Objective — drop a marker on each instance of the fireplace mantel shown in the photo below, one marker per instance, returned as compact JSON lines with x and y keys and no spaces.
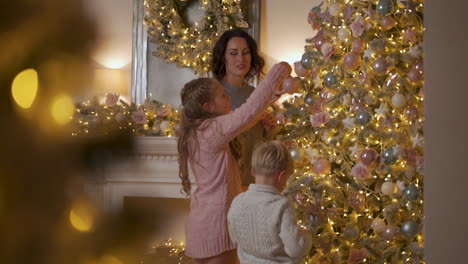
{"x":151,"y":172}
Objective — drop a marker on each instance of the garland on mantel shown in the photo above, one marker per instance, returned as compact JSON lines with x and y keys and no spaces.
{"x":98,"y":116}
{"x":190,"y":46}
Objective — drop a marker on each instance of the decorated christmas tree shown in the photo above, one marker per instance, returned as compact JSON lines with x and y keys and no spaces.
{"x":355,"y":130}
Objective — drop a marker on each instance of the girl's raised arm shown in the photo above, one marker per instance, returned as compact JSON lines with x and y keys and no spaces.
{"x":227,"y":127}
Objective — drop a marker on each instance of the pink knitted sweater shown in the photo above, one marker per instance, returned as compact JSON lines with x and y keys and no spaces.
{"x":216,"y":172}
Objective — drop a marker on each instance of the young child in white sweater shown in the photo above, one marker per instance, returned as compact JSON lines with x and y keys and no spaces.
{"x":261,"y":221}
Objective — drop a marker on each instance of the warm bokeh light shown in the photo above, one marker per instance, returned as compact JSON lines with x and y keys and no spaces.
{"x":109,"y":259}
{"x":111,"y":56}
{"x":114,"y":62}
{"x":62,"y":109}
{"x":82,"y":217}
{"x":24,"y":88}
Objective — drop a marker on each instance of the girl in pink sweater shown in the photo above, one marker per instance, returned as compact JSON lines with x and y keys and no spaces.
{"x":207,"y":127}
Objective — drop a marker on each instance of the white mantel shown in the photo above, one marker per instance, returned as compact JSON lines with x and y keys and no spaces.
{"x":151,"y":172}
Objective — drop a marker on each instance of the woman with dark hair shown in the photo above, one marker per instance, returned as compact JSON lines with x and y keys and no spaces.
{"x":235,"y":64}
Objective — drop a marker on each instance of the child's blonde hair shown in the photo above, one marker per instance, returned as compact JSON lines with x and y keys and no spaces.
{"x":271,"y":157}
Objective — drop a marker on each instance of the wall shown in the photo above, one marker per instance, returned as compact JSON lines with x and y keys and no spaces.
{"x":446,"y":177}
{"x":113,"y":54}
{"x":284,"y":30}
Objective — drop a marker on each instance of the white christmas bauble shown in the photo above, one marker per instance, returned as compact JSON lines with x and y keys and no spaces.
{"x":344,"y":34}
{"x":165,"y":125}
{"x":398,"y":100}
{"x":378,"y":225}
{"x":388,"y":188}
{"x":334,"y":9}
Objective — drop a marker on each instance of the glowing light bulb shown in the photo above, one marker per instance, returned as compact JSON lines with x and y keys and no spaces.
{"x":24,"y":88}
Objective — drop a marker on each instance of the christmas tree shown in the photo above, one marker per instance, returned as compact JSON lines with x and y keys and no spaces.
{"x":355,"y":132}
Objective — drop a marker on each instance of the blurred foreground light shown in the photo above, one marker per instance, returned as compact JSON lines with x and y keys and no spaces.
{"x":24,"y":88}
{"x":82,"y":217}
{"x":62,"y":109}
{"x":109,"y":259}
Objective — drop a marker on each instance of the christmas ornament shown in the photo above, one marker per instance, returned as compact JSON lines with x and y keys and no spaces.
{"x":384,"y":7}
{"x":334,"y":9}
{"x":380,"y":66}
{"x":398,"y":100}
{"x":387,"y":22}
{"x":352,"y":61}
{"x":368,"y":156}
{"x":330,"y":80}
{"x":363,"y":118}
{"x":358,"y":46}
{"x":412,"y":113}
{"x":319,"y":40}
{"x":388,"y":188}
{"x":415,"y":75}
{"x":378,"y":224}
{"x":300,"y":70}
{"x":389,"y":157}
{"x":308,"y":58}
{"x":291,"y":85}
{"x":351,"y":232}
{"x":322,"y":166}
{"x":411,"y":193}
{"x":357,"y":200}
{"x":390,"y":232}
{"x":344,"y":34}
{"x":309,"y":99}
{"x":297,"y":154}
{"x":409,"y":228}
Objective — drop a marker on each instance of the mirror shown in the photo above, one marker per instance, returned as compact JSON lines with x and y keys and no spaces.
{"x":152,"y":75}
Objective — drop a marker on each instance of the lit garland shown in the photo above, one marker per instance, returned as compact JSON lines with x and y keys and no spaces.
{"x":153,"y":118}
{"x":169,"y":252}
{"x":356,"y":132}
{"x":190,"y":46}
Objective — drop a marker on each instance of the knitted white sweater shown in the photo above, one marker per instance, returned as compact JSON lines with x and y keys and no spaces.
{"x":262,"y":223}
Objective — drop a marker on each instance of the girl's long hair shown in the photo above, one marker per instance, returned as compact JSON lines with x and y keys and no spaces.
{"x":194,"y":94}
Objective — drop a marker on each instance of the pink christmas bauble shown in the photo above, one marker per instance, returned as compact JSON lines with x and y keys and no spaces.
{"x":299,"y":69}
{"x":380,"y":66}
{"x":387,"y":22}
{"x":390,"y":232}
{"x":291,"y":85}
{"x":412,"y":113}
{"x":352,"y":61}
{"x":378,"y":224}
{"x":322,"y":166}
{"x":368,"y":156}
{"x":319,"y":42}
{"x":415,"y":75}
{"x":358,"y":46}
{"x":419,"y":65}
